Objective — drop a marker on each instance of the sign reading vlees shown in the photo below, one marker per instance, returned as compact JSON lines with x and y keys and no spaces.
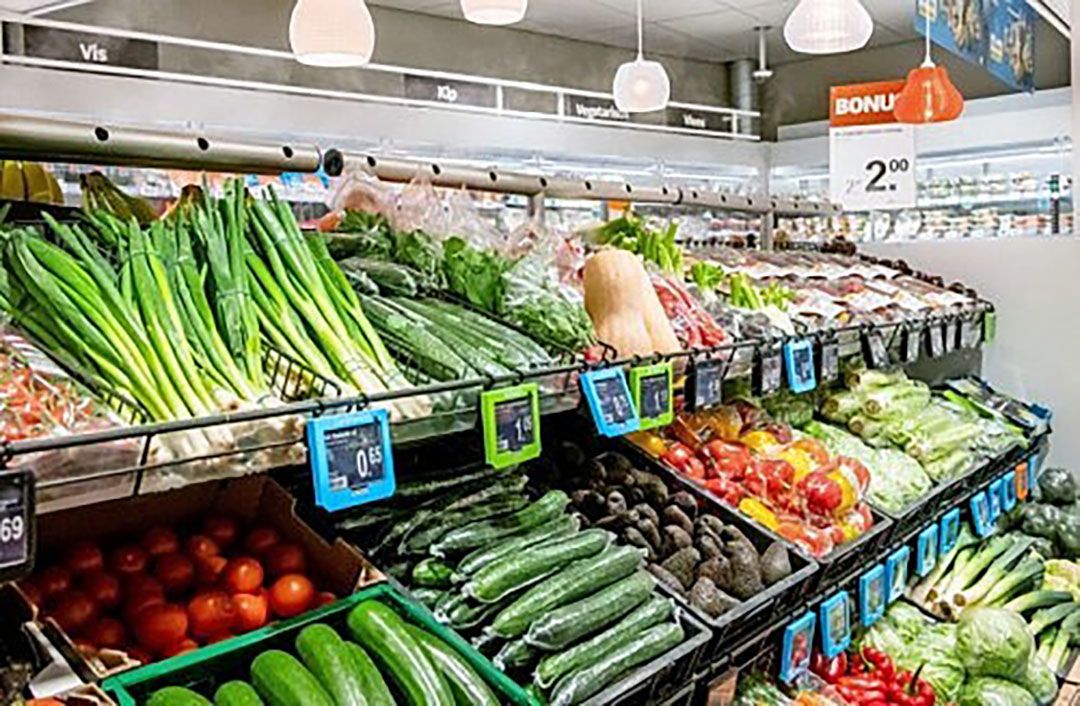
{"x":871,"y":156}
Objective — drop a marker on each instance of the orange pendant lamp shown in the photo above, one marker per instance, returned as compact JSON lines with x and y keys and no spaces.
{"x":929,"y":95}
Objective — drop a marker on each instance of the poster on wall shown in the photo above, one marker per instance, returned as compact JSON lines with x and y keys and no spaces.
{"x":871,"y":156}
{"x":998,"y":35}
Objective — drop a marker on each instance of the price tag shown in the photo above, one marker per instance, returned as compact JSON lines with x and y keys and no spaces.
{"x":798,"y":641}
{"x":1022,"y":473}
{"x":511,"y":422}
{"x":1008,"y":491}
{"x":936,"y":338}
{"x":769,"y":374}
{"x":872,"y":594}
{"x":912,"y":345}
{"x":18,"y":524}
{"x":835,"y":624}
{"x":926,"y":550}
{"x":351,"y":459}
{"x":989,"y":326}
{"x":970,"y":335}
{"x":872,"y":167}
{"x":608,"y":396}
{"x":653,"y":397}
{"x":1033,"y":472}
{"x":993,"y":499}
{"x":949,"y":531}
{"x":705,"y":385}
{"x":980,"y":515}
{"x":829,"y":365}
{"x":875,"y":351}
{"x":952,"y":333}
{"x":896,"y":572}
{"x":799,"y":357}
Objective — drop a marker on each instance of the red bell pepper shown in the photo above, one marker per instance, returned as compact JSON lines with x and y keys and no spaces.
{"x":823,"y":494}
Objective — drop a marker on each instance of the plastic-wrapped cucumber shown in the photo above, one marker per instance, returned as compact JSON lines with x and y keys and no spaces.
{"x":559,"y":527}
{"x":566,"y":625}
{"x":516,"y":654}
{"x":478,"y":534}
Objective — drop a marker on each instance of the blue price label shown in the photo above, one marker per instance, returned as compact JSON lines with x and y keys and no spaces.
{"x":1008,"y":491}
{"x":608,"y":395}
{"x":799,"y":357}
{"x":896,"y":572}
{"x":835,"y":624}
{"x":873,"y":595}
{"x":993,"y":499}
{"x":949,"y":531}
{"x":351,"y":459}
{"x":926,"y":550}
{"x":980,"y":515}
{"x":798,"y":644}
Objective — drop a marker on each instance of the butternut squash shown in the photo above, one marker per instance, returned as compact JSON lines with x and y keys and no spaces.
{"x":624,"y":307}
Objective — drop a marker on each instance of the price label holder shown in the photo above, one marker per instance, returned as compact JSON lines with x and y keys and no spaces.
{"x":989,"y":326}
{"x":351,"y":459}
{"x":1008,"y":491}
{"x":653,"y":395}
{"x":980,"y":515}
{"x":875,"y":351}
{"x":798,"y":641}
{"x":769,"y":372}
{"x":952,"y":333}
{"x":511,"y":421}
{"x":18,"y":524}
{"x":835,"y":624}
{"x":705,"y":385}
{"x":936,"y":341}
{"x":970,"y":335}
{"x":608,"y":395}
{"x":926,"y":550}
{"x":993,"y":499}
{"x":873,"y":590}
{"x":912,"y":344}
{"x":949,"y":531}
{"x":1022,"y":474}
{"x":896,"y":572}
{"x":829,"y":362}
{"x":799,"y":360}
{"x":1033,"y":472}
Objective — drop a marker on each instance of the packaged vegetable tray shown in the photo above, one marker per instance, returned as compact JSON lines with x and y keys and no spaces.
{"x":207,"y":670}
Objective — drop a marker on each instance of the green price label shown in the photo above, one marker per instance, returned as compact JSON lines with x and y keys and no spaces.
{"x":990,"y":326}
{"x":511,"y":423}
{"x":652,"y":387}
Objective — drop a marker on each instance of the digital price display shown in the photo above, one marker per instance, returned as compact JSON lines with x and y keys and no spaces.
{"x":936,"y":341}
{"x":896,"y":572}
{"x":511,"y":420}
{"x":18,"y":524}
{"x":875,"y":351}
{"x":952,"y":333}
{"x":989,"y":326}
{"x":970,"y":335}
{"x":799,"y":359}
{"x":705,"y":385}
{"x":798,"y":644}
{"x":926,"y":550}
{"x":835,"y":624}
{"x":980,"y":515}
{"x":769,"y":374}
{"x":948,"y":531}
{"x":1008,"y":491}
{"x":653,"y":394}
{"x":829,"y":364}
{"x":993,"y":499}
{"x":608,"y":395}
{"x":351,"y":459}
{"x":873,"y":592}
{"x":912,"y":345}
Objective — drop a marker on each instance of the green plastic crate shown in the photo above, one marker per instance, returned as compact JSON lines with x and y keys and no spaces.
{"x":205,"y":669}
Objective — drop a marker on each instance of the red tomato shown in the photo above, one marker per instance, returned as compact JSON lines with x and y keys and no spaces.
{"x":252,"y":610}
{"x":211,"y":613}
{"x":128,"y":560}
{"x":324,"y":598}
{"x":287,"y":558}
{"x":243,"y":575}
{"x":202,"y":547}
{"x":160,"y":627}
{"x":107,"y":632}
{"x":222,"y":530}
{"x":102,"y":587}
{"x":53,"y":581}
{"x":138,"y":584}
{"x":291,"y":595}
{"x":209,"y":570}
{"x":176,"y":572}
{"x":75,"y":612}
{"x":159,"y":540}
{"x":136,"y":605}
{"x":84,"y":557}
{"x":260,"y":539}
{"x":185,"y":645}
{"x":32,"y":593}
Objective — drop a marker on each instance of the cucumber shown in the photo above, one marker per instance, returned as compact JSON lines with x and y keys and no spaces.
{"x":432,"y":573}
{"x":554,"y":666}
{"x":565,"y":626}
{"x":376,"y":691}
{"x":176,"y":696}
{"x":646,"y":646}
{"x":444,"y":483}
{"x":559,"y":527}
{"x":440,"y":524}
{"x":582,"y":578}
{"x":516,"y":654}
{"x":429,"y":597}
{"x":282,"y":681}
{"x":381,"y":631}
{"x":237,"y":693}
{"x":467,"y":686}
{"x":485,"y":532}
{"x":468,"y":615}
{"x":497,"y":580}
{"x":322,"y":651}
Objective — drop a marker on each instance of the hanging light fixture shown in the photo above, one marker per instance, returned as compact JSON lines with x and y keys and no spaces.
{"x":641,"y":86}
{"x":332,"y":33}
{"x":828,"y":27}
{"x":494,"y":12}
{"x":929,"y":95}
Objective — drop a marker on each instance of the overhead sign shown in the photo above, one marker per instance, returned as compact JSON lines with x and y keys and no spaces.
{"x":998,"y":35}
{"x":49,"y":43}
{"x":438,"y":90}
{"x":589,"y":108}
{"x":871,"y":156}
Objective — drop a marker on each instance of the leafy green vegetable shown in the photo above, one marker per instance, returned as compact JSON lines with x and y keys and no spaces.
{"x":995,"y":692}
{"x":477,"y":275}
{"x":991,"y":642}
{"x":419,"y":250}
{"x":1040,"y":681}
{"x":1058,"y":486}
{"x":707,"y":276}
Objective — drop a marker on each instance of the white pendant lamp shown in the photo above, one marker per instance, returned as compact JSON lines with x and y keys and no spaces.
{"x":828,"y":26}
{"x":332,"y":33}
{"x":494,"y":12}
{"x":641,"y":86}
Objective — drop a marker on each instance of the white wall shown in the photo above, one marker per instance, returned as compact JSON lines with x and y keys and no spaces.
{"x":1036,"y":289}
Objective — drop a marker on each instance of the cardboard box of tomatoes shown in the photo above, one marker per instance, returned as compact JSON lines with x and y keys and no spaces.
{"x":132,"y":581}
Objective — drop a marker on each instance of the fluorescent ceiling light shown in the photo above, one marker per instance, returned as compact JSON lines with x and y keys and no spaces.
{"x":332,"y":33}
{"x":828,"y":27}
{"x":494,"y":12}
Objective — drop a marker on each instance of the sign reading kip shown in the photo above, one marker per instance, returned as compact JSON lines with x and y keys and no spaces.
{"x":871,"y":156}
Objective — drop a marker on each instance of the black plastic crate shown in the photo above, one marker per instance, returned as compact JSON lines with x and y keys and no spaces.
{"x":922,"y":512}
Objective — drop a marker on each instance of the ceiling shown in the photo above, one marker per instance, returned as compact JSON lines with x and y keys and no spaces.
{"x":712,"y":30}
